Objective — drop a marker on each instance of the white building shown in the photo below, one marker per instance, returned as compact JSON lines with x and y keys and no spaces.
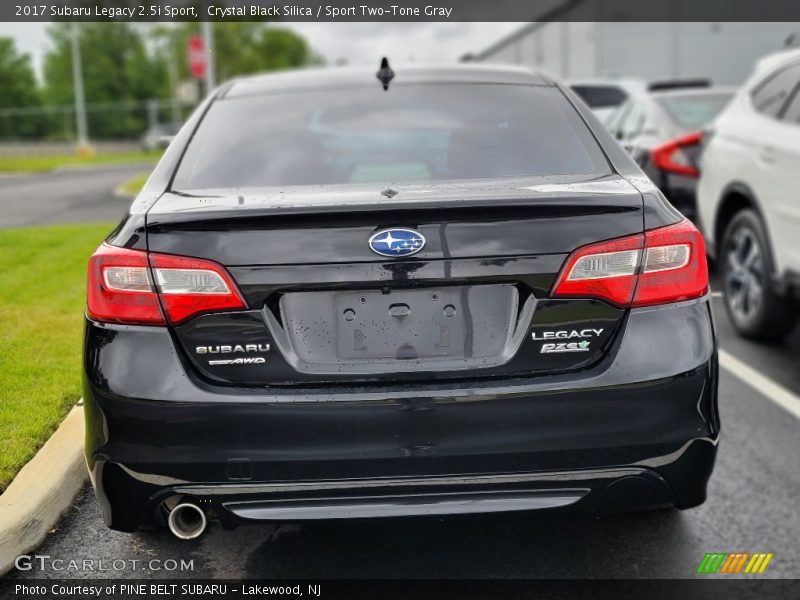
{"x":722,"y":52}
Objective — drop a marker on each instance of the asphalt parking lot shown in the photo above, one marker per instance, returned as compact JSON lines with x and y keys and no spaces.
{"x":69,"y":195}
{"x":752,"y":503}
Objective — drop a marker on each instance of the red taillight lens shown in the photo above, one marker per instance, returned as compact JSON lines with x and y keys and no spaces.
{"x":132,"y":287}
{"x":189,"y":286}
{"x":120,"y":289}
{"x":671,"y":156}
{"x":674,"y":265}
{"x":659,"y":266}
{"x":606,"y":270}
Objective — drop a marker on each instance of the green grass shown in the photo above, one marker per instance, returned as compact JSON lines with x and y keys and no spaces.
{"x":42,"y":294}
{"x":134,"y":185}
{"x":10,"y":164}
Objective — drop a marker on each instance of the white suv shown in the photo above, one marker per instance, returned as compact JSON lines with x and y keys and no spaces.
{"x":749,"y":198}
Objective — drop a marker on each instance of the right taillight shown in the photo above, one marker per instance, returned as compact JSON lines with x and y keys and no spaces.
{"x":659,"y":266}
{"x":671,"y":156}
{"x":674,"y":266}
{"x":136,"y":287}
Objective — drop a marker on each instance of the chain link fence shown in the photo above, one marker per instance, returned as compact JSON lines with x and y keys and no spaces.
{"x":108,"y":122}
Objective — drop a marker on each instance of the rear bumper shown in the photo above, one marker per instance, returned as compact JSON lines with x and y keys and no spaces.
{"x":131,"y":499}
{"x":638,"y":431}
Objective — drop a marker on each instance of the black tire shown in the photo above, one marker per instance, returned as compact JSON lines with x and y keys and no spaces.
{"x":746,"y":266}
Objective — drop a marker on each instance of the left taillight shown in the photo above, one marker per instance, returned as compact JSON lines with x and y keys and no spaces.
{"x":658,"y":266}
{"x":120,"y":288}
{"x":674,"y":156}
{"x":140,"y":288}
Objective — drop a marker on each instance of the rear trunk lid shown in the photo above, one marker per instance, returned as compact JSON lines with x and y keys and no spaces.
{"x":323,"y":308}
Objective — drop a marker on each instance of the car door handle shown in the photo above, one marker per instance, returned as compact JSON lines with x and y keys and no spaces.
{"x":767,"y":155}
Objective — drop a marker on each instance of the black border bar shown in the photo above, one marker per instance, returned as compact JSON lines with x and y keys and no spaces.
{"x":402,"y":10}
{"x":733,"y":588}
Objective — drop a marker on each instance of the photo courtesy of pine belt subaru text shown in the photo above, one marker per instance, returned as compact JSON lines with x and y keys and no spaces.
{"x":442,"y":290}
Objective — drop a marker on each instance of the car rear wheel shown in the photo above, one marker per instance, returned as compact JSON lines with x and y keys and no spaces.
{"x":754,"y":308}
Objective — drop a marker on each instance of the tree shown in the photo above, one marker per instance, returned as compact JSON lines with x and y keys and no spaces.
{"x":266,"y":49}
{"x":123,"y":68}
{"x":18,"y":86}
{"x":119,"y":75}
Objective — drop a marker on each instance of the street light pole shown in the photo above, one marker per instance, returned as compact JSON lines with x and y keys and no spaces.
{"x":208,"y":40}
{"x":77,"y":83}
{"x":172,"y":74}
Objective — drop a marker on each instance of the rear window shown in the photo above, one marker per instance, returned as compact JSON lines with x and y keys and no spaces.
{"x":695,"y":111}
{"x":411,"y":133}
{"x":770,"y":96}
{"x":600,"y":96}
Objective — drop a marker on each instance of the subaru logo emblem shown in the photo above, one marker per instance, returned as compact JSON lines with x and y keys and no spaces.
{"x":396,"y":242}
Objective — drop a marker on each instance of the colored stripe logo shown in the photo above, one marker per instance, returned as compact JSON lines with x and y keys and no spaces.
{"x":734,"y":563}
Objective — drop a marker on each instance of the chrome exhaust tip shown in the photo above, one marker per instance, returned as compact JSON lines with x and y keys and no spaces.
{"x":187,"y":521}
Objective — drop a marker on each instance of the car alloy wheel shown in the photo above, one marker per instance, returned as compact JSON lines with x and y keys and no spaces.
{"x":744,"y":274}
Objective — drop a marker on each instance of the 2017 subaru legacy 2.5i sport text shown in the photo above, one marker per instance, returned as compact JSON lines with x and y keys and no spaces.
{"x":448,"y":291}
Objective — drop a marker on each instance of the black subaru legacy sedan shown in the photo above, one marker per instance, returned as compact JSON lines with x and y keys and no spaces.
{"x":443,"y":291}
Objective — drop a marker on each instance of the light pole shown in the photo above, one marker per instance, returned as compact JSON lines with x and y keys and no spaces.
{"x":208,"y":40}
{"x":80,"y":101}
{"x":172,"y":75}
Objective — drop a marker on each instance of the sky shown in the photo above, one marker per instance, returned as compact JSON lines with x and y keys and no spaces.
{"x":357,"y":43}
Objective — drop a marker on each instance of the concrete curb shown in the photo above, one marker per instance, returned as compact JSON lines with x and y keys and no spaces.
{"x":42,"y":491}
